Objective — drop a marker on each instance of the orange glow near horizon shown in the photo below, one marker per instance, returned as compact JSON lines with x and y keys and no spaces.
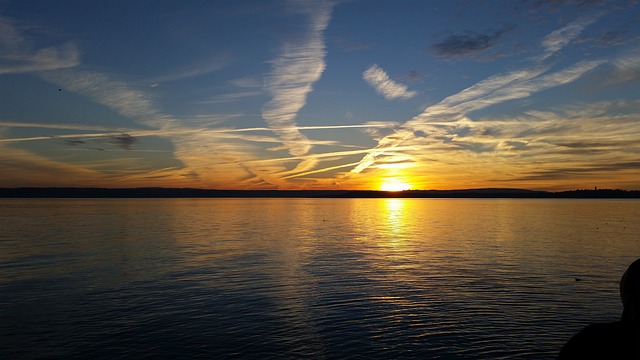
{"x":394,"y":184}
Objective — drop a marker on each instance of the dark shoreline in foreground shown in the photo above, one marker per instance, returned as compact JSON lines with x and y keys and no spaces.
{"x":61,"y":192}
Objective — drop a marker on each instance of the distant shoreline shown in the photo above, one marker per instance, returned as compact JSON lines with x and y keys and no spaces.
{"x":72,"y":192}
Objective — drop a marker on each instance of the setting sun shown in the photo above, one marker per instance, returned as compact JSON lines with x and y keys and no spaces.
{"x":394,"y":185}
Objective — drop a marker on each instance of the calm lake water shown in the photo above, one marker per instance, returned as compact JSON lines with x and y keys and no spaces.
{"x":308,"y":278}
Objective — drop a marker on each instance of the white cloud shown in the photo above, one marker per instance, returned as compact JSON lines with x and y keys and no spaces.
{"x":379,"y":80}
{"x":300,"y":64}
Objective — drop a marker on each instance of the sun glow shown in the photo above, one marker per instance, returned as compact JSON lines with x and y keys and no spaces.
{"x":394,"y":185}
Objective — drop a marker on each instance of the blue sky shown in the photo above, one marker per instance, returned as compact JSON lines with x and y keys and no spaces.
{"x":320,"y":94}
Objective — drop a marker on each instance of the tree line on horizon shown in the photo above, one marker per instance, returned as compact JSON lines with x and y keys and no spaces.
{"x":157,"y":192}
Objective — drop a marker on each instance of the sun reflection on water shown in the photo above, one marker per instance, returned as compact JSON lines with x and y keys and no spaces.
{"x":395,"y":216}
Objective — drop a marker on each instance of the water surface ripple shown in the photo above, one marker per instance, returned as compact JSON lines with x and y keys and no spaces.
{"x":308,"y":278}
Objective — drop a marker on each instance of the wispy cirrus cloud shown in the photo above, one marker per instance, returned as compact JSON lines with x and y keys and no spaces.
{"x":203,"y":67}
{"x":82,"y":127}
{"x":300,"y":64}
{"x":385,"y":86}
{"x":199,"y":149}
{"x":551,"y":44}
{"x":243,"y":88}
{"x":560,"y":38}
{"x":229,"y":97}
{"x":236,"y":133}
{"x":246,"y":82}
{"x":116,"y":94}
{"x":24,"y":168}
{"x":137,"y":105}
{"x":494,"y":90}
{"x":626,"y":69}
{"x":231,"y":155}
{"x":18,"y":55}
{"x":454,"y":109}
{"x":522,"y":89}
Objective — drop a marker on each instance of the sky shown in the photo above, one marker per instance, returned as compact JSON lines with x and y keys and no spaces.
{"x":302,"y":94}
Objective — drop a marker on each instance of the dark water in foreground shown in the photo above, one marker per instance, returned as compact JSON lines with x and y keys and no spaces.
{"x":308,"y":278}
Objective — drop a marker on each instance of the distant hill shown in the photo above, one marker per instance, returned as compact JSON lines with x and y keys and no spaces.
{"x":59,"y":192}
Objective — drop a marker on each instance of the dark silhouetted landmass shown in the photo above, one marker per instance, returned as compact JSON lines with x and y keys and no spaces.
{"x":57,"y":192}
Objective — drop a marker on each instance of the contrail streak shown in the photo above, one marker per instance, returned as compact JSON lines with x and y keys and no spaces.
{"x":319,"y":171}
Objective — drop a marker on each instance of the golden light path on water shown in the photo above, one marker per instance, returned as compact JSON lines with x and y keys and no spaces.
{"x":313,"y":278}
